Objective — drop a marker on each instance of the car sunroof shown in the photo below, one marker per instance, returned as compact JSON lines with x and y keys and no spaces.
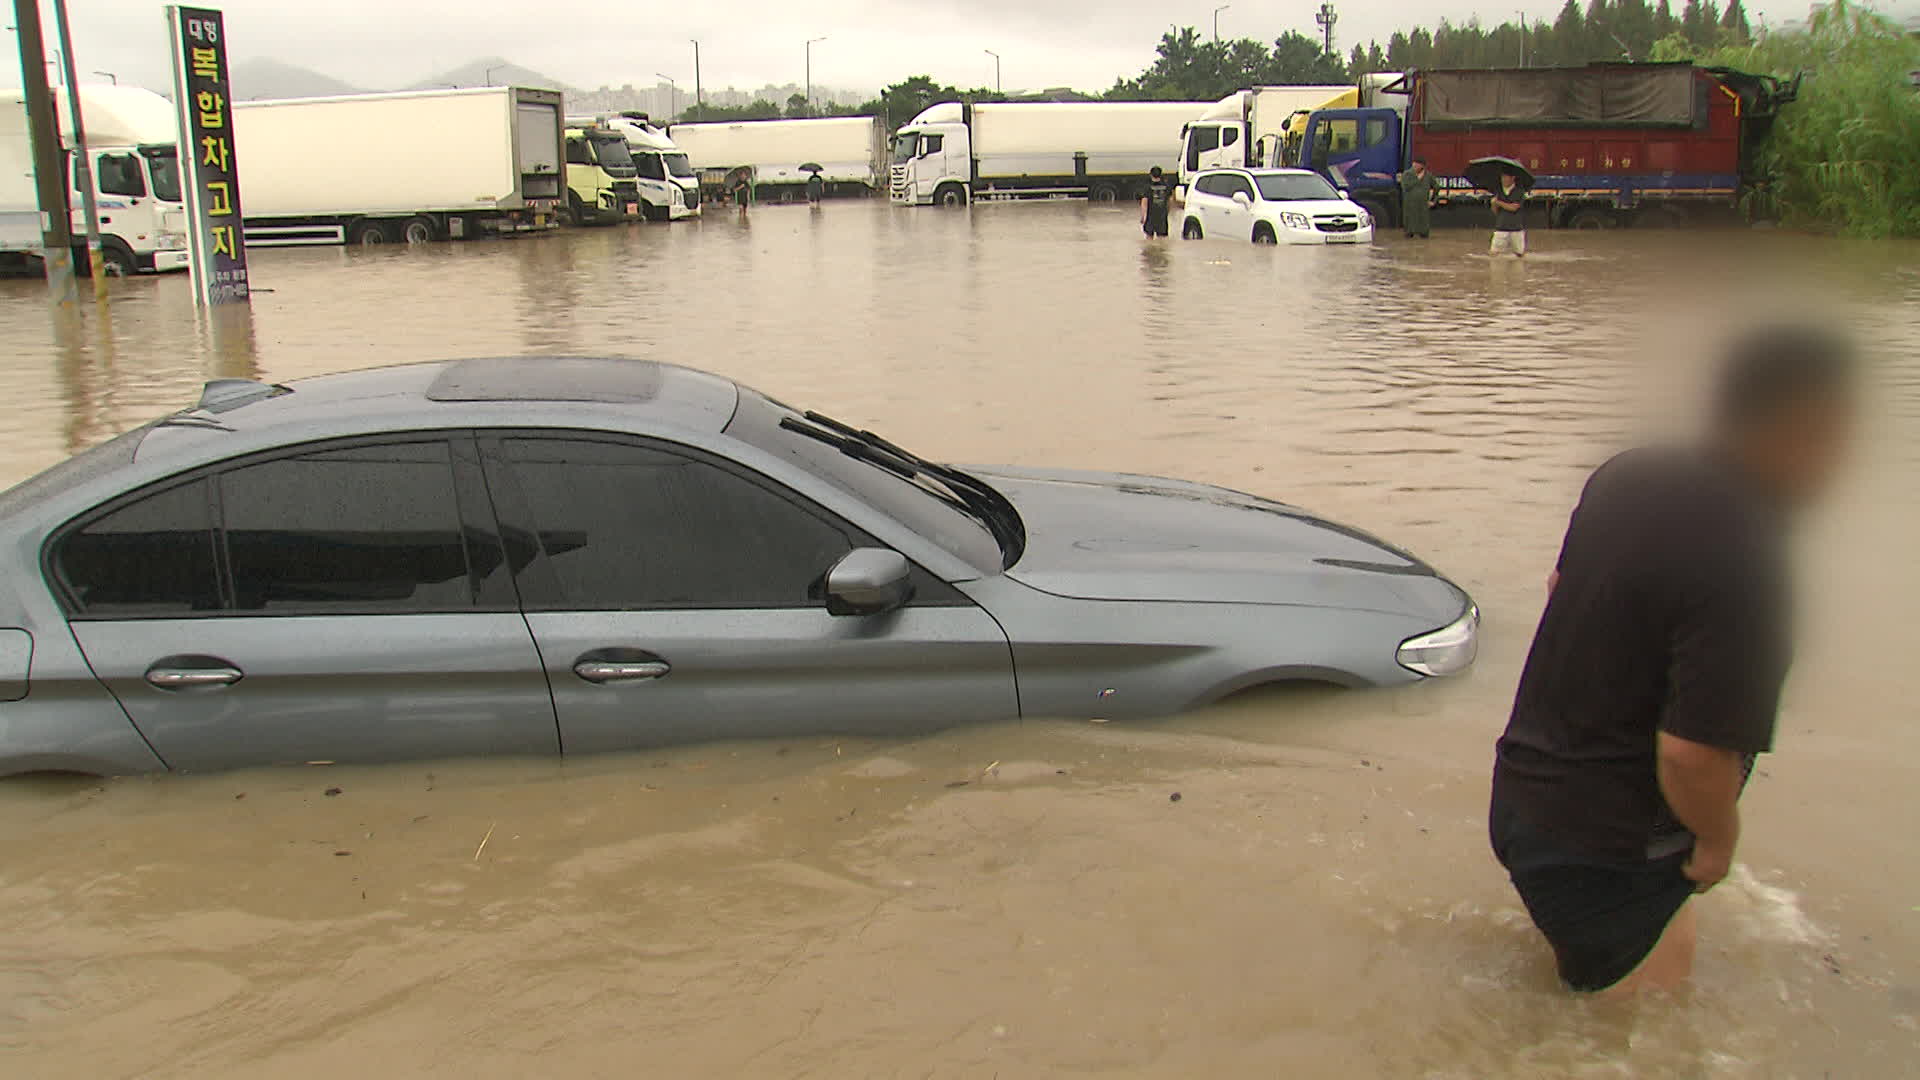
{"x":544,"y":378}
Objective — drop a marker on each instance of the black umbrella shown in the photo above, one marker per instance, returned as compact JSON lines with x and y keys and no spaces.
{"x":1484,"y":173}
{"x":811,"y":167}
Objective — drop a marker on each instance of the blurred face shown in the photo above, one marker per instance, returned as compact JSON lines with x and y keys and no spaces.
{"x":1798,"y":450}
{"x":1419,"y":168}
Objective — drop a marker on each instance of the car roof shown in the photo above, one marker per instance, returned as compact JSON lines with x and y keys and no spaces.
{"x":443,"y":393}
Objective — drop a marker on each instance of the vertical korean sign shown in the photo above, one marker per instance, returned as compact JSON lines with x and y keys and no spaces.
{"x":215,"y":240}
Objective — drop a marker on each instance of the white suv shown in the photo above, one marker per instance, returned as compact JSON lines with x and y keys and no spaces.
{"x":1272,"y":206}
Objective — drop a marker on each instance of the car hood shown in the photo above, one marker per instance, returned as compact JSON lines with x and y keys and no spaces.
{"x":1112,"y":536}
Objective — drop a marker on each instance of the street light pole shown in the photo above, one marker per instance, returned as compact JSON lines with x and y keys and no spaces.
{"x":673,"y":95}
{"x":82,"y":160}
{"x":996,"y":69}
{"x":699,"y":98}
{"x":1216,"y":21}
{"x":488,"y":75}
{"x":810,"y":43}
{"x":43,"y":127}
{"x":1523,"y":38}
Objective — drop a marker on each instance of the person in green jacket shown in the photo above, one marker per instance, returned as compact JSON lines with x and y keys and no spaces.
{"x":1416,"y":200}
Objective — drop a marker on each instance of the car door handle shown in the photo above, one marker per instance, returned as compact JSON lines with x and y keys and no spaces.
{"x":172,"y":678}
{"x":619,"y":671}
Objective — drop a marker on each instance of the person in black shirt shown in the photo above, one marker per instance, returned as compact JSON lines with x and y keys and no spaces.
{"x":1655,"y":673}
{"x":1509,"y":217}
{"x":1157,"y":205}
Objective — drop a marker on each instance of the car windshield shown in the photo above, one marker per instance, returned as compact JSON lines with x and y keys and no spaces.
{"x":924,"y":510}
{"x":1292,"y":187}
{"x":163,"y":162}
{"x":677,"y":165}
{"x":905,"y":146}
{"x":611,"y":152}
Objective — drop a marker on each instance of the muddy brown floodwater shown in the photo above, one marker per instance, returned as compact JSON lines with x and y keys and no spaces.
{"x":1025,"y":899}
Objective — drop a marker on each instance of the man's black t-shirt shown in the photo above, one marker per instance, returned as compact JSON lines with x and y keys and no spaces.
{"x":1510,"y":220}
{"x":1670,"y":615}
{"x":1159,"y":194}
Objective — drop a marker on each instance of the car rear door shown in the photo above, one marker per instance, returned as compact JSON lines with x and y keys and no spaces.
{"x":676,"y":597}
{"x":346,"y":601}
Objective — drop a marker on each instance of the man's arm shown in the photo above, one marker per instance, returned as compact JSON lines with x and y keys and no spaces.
{"x":1702,"y":785}
{"x":1505,"y":204}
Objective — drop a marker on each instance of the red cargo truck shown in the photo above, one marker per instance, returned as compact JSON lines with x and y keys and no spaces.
{"x":1608,"y":144}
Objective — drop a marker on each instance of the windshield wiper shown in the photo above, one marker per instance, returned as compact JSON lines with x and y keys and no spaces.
{"x":970,"y":495}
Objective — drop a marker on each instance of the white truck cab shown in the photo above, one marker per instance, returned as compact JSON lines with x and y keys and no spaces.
{"x":669,"y":190}
{"x":132,"y":137}
{"x":933,"y":158}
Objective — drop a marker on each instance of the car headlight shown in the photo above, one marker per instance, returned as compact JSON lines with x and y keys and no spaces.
{"x":1446,"y":651}
{"x":1366,"y":220}
{"x":1294,"y":220}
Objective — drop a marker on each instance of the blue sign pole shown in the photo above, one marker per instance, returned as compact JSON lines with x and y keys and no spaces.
{"x":209,"y":169}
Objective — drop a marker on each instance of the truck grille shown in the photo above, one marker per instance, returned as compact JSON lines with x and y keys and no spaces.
{"x":693,"y":198}
{"x":898,"y":188}
{"x":626,"y":190}
{"x":1345,"y":223}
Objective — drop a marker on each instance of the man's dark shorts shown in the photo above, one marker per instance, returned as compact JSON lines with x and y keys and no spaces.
{"x":1156,"y":223}
{"x":1602,"y":917}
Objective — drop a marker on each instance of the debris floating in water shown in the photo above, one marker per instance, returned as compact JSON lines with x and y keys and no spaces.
{"x":483,"y":841}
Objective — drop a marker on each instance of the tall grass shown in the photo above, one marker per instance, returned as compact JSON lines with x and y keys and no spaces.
{"x":1846,"y":155}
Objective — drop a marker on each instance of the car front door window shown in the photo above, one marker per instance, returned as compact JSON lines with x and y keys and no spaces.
{"x":676,"y":597}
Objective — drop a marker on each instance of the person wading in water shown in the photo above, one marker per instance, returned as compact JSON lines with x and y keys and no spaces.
{"x":1157,"y":205}
{"x":1655,"y":673}
{"x":1416,"y":200}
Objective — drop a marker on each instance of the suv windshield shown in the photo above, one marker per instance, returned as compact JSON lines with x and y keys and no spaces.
{"x":611,"y":152}
{"x":1290,"y":187}
{"x":962,"y":535}
{"x":163,"y":162}
{"x":677,"y":165}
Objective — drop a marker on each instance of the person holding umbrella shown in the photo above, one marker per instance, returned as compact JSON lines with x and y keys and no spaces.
{"x":1507,"y":181}
{"x":816,"y":187}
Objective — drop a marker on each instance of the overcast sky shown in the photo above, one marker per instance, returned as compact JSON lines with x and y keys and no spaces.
{"x":744,"y":43}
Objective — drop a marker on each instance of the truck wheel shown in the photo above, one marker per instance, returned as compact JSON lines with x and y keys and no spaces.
{"x":1263,"y":234}
{"x":418,"y":230}
{"x":1593,"y":217}
{"x":1383,"y":213}
{"x":1191,"y":230}
{"x":1659,"y":217}
{"x":368,"y":233}
{"x":1102,"y":193}
{"x":117,"y":260}
{"x":950,"y":195}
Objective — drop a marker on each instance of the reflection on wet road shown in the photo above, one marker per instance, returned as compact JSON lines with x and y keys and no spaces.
{"x":1021,"y":899}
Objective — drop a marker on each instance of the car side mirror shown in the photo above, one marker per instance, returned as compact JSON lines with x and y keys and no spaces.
{"x":1243,"y":198}
{"x":869,"y":581}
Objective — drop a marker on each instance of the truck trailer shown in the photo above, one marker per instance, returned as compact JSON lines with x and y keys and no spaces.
{"x":405,"y":167}
{"x":666,"y":185}
{"x":850,"y":151}
{"x":1608,"y":144}
{"x":955,"y":152}
{"x":132,"y":138}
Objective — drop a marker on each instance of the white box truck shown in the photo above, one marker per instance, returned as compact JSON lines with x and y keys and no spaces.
{"x":131,"y":137}
{"x":956,"y":152}
{"x":400,"y":168}
{"x":666,"y":184}
{"x":850,"y":151}
{"x":1248,"y":128}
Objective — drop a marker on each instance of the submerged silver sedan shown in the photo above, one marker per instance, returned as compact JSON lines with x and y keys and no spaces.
{"x":549,"y":555}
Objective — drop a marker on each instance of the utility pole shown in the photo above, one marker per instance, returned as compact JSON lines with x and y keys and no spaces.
{"x":1326,"y":18}
{"x":82,"y":159}
{"x":810,"y":43}
{"x":673,"y":95}
{"x":699,"y":98}
{"x":996,"y":69}
{"x":43,"y":128}
{"x":1216,"y":21}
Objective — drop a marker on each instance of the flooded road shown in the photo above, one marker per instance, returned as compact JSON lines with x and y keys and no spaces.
{"x":1024,"y":899}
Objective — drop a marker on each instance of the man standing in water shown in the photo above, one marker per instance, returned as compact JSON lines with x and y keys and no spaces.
{"x":1655,"y":673}
{"x":1156,"y":207}
{"x":1416,"y":200}
{"x":1509,"y":218}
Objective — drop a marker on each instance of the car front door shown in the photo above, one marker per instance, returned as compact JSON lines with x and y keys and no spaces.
{"x":340,"y":602}
{"x":677,"y":597}
{"x":1233,"y":219}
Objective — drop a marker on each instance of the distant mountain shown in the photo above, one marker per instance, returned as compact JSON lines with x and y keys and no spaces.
{"x":266,"y":78}
{"x":494,"y":71}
